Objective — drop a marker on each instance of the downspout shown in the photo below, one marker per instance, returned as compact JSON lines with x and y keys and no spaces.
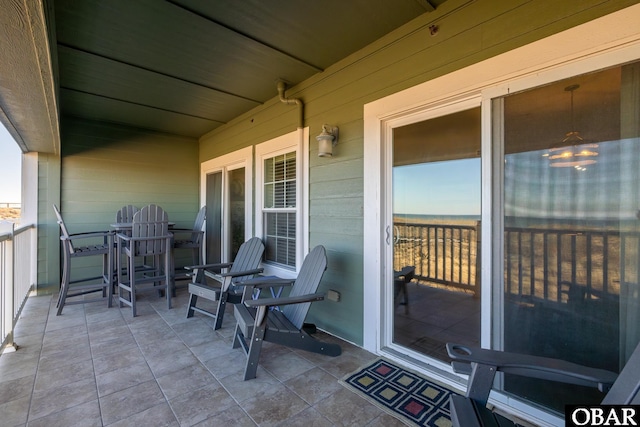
{"x":303,"y":213}
{"x":291,"y":101}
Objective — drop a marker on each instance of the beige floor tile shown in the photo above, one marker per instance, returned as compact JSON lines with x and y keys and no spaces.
{"x":310,"y":417}
{"x":83,"y":415}
{"x":16,"y":388}
{"x":169,"y":359}
{"x":242,"y":390}
{"x":125,"y":403}
{"x":286,"y":366}
{"x":15,"y":412}
{"x":50,"y":401}
{"x":157,"y":416}
{"x":163,"y":369}
{"x":313,"y":385}
{"x":124,"y":355}
{"x":123,"y":378}
{"x":194,"y":332}
{"x":198,"y":405}
{"x":345,"y":408}
{"x":57,"y":376}
{"x":274,"y":405}
{"x":186,"y":379}
{"x":232,"y":416}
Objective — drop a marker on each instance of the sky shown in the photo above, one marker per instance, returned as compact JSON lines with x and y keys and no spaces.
{"x":438,"y":188}
{"x":10,"y":164}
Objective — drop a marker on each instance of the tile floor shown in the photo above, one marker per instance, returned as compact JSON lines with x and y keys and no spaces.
{"x":98,"y":366}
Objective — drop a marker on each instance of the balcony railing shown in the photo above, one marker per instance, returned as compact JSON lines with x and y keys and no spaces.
{"x":443,"y":254}
{"x":17,"y":275}
{"x":540,"y":263}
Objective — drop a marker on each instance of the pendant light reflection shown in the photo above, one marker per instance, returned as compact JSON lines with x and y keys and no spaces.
{"x":573,"y":151}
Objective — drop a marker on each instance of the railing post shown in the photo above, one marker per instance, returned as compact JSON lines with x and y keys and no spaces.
{"x":7,"y":280}
{"x":477,"y":281}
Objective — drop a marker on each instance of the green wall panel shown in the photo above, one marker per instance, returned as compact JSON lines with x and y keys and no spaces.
{"x":105,"y":167}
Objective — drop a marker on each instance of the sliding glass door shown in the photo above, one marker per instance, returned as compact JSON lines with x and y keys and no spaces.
{"x":436,"y":223}
{"x":226,"y":183}
{"x":571,"y":226}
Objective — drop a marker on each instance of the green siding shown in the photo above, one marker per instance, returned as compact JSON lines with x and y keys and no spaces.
{"x":48,"y":279}
{"x":469,"y":32}
{"x":105,"y":167}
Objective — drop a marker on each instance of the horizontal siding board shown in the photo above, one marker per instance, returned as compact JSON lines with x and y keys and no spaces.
{"x":337,"y":208}
{"x":336,"y":189}
{"x":331,"y":228}
{"x":339,"y":170}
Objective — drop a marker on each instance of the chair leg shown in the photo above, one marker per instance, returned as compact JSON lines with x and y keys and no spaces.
{"x":253,"y":355}
{"x":107,"y":276}
{"x":193,"y":298}
{"x":64,"y":288}
{"x":168,"y":271}
{"x":222,"y":306}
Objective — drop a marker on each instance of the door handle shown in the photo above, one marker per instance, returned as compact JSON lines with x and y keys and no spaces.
{"x":388,"y":230}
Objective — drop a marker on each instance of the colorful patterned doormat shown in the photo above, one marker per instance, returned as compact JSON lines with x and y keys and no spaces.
{"x":403,"y":394}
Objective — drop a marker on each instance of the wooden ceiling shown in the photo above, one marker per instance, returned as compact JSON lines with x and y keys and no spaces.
{"x":186,"y":67}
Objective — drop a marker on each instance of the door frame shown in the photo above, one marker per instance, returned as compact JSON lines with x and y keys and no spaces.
{"x":436,"y":110}
{"x":242,"y":158}
{"x":607,"y":41}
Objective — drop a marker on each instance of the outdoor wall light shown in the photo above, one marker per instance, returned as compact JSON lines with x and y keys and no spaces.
{"x":327,"y":139}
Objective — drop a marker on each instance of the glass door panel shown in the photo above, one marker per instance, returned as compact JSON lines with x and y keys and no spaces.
{"x":237,"y":210}
{"x":571,"y":233}
{"x":214,"y":218}
{"x":436,"y":224}
{"x":226,"y":208}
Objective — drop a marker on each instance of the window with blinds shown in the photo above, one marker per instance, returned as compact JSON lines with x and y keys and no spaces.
{"x":279,"y":209}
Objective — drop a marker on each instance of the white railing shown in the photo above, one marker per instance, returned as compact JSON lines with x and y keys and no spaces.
{"x":17,"y":275}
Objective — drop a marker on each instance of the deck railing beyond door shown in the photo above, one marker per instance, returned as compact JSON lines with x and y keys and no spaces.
{"x":444,"y":254}
{"x":17,"y":275}
{"x":540,"y":263}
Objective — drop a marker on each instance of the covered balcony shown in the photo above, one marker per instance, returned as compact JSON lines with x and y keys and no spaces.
{"x":228,"y":105}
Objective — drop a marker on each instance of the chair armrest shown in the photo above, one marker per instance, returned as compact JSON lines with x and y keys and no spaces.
{"x":86,"y":235}
{"x":209,"y":266}
{"x":265,"y":282}
{"x":534,"y":366}
{"x":185,"y":231}
{"x":270,"y":302}
{"x":241,"y":273}
{"x":122,"y":236}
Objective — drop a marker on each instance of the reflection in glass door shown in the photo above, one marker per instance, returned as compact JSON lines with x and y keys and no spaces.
{"x":226,"y":209}
{"x":436,"y":230}
{"x":571,"y":230}
{"x":237,"y":210}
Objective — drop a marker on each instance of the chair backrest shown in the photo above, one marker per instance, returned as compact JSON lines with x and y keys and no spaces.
{"x":63,"y":229}
{"x":248,"y":258}
{"x":307,"y":282}
{"x":625,"y":390}
{"x":125,"y":214}
{"x":196,"y":236}
{"x":149,"y":222}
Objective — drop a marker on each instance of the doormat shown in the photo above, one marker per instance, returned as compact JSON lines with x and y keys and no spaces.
{"x":401,"y":393}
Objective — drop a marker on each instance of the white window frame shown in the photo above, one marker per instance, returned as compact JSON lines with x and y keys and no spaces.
{"x":298,"y":142}
{"x":242,"y":158}
{"x":604,"y":42}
